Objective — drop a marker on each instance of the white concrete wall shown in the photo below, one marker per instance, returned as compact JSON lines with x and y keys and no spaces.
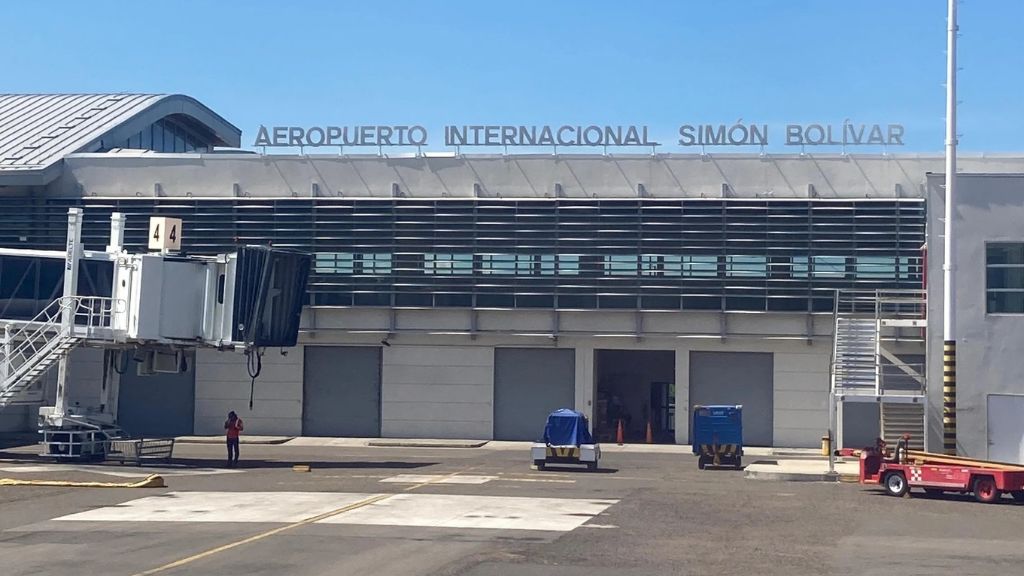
{"x":989,"y":208}
{"x":222,"y":385}
{"x":443,"y":385}
{"x":800,"y":374}
{"x":437,"y":392}
{"x":801,"y":396}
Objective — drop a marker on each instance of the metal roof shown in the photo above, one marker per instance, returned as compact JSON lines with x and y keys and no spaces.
{"x":38,"y":130}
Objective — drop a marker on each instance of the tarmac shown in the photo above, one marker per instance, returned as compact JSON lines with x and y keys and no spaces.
{"x":394,"y":511}
{"x":799,"y":464}
{"x":314,"y":441}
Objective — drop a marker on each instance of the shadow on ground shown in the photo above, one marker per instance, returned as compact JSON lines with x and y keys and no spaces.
{"x":254,"y":464}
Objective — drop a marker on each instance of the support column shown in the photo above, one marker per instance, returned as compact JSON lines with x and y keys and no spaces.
{"x":949,"y":262}
{"x":949,"y":397}
{"x":71,"y":262}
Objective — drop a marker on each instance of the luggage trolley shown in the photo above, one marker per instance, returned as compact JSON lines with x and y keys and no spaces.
{"x":718,"y":435}
{"x":567,"y":440}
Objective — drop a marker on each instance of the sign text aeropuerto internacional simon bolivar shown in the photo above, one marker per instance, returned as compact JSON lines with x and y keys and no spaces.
{"x":574,"y":135}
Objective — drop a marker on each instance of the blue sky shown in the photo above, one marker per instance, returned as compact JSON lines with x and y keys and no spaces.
{"x":659,"y":64}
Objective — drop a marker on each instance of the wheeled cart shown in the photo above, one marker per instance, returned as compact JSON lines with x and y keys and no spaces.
{"x":905,"y":469}
{"x":567,"y":440}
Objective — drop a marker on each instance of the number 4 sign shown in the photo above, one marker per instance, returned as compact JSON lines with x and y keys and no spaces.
{"x":165,"y":234}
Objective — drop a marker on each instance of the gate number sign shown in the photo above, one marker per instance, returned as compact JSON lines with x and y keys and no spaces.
{"x":165,"y":234}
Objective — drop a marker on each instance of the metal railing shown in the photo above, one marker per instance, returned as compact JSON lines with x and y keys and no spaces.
{"x":38,"y":338}
{"x":88,"y":312}
{"x":882,"y":304}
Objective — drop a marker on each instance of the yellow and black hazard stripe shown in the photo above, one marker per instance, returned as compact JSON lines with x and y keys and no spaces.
{"x":563,"y":452}
{"x":718,"y":451}
{"x":949,"y":397}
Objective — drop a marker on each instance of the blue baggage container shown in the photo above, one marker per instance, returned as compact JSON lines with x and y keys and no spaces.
{"x":717,"y":437}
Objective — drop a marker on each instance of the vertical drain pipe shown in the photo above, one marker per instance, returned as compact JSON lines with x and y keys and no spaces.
{"x":948,"y":269}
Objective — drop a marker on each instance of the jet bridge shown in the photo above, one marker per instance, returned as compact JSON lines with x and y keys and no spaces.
{"x":162,"y":304}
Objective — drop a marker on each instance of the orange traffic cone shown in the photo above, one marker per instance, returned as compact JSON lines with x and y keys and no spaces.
{"x":618,"y":434}
{"x":650,"y":434}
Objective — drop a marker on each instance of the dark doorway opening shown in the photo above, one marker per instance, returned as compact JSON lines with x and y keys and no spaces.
{"x":636,"y":387}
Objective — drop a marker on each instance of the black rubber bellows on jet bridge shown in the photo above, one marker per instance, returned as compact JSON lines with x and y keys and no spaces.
{"x":270,"y":288}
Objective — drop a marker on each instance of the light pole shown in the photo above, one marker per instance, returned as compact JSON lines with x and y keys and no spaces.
{"x":949,"y":246}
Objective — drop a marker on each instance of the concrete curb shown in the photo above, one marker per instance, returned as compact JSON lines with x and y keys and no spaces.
{"x":791,"y":476}
{"x":426,"y":443}
{"x":262,"y":440}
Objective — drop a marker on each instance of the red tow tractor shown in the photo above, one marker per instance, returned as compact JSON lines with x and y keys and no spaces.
{"x":904,"y":469}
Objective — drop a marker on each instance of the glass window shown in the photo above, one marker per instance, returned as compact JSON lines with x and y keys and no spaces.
{"x":876,"y":267}
{"x":800,"y":266}
{"x":333,"y":263}
{"x":497,"y":263}
{"x":179,"y":140}
{"x":620,"y":265}
{"x":702,"y":266}
{"x":568,"y":264}
{"x":158,"y":136}
{"x":447,"y":263}
{"x":1004,"y":278}
{"x":373,"y":263}
{"x":829,"y":266}
{"x":746,"y":266}
{"x":661,"y":265}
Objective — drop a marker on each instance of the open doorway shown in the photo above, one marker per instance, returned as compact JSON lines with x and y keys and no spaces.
{"x":636,"y":386}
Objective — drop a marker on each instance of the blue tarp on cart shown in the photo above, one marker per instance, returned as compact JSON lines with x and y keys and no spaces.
{"x":567,"y":428}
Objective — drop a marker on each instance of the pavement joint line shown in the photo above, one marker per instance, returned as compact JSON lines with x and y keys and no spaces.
{"x":304,"y":522}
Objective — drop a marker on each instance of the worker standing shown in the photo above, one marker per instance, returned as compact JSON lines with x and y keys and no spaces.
{"x":233,"y":428}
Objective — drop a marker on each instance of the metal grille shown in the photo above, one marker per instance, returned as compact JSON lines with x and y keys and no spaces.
{"x":705,"y":254}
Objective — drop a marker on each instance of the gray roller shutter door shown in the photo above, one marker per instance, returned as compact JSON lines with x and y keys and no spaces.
{"x":341,"y":391}
{"x":737,"y":378}
{"x":161,"y":405}
{"x":529,"y":384}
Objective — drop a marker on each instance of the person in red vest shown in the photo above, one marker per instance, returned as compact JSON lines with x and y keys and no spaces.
{"x":233,"y":428}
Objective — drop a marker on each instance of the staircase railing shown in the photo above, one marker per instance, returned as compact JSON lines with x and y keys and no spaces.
{"x":886,"y":304}
{"x":41,"y":336}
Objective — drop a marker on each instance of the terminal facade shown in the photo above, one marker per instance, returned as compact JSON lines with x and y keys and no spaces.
{"x":466,"y":296}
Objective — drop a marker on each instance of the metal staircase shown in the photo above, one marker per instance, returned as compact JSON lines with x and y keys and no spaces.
{"x":855,"y":355}
{"x":868,"y":326}
{"x":900,"y":419}
{"x":30,"y":349}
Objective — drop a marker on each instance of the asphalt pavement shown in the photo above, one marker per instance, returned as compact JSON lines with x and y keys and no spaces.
{"x":385,"y":511}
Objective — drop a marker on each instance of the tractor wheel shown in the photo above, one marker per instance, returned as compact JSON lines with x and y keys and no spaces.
{"x":896,"y":484}
{"x":702,"y":462}
{"x":1018,"y":495}
{"x":539,"y":464}
{"x":739,"y":463}
{"x":591,"y":466}
{"x":985,"y":490}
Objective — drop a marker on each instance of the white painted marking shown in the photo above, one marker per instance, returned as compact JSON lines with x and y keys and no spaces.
{"x":550,"y":480}
{"x":439,"y":479}
{"x":222,"y":507}
{"x":404,"y":509}
{"x":606,"y":526}
{"x":490,"y":512}
{"x":126,"y":472}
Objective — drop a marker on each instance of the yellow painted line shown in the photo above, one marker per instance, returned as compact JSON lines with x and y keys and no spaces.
{"x":275,"y":531}
{"x":261,"y":536}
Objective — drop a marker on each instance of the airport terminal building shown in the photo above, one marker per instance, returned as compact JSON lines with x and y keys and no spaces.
{"x":466,"y":296}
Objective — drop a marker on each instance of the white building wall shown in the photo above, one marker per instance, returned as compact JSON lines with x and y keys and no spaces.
{"x":442,"y":385}
{"x":801,"y":396}
{"x":437,"y":392}
{"x":222,"y":385}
